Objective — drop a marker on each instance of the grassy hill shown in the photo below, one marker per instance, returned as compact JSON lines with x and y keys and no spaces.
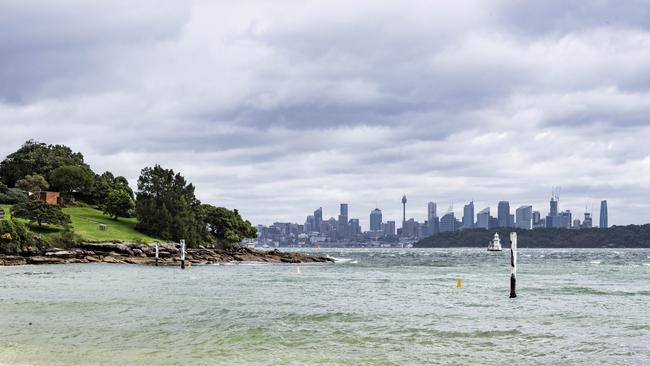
{"x":86,"y":221}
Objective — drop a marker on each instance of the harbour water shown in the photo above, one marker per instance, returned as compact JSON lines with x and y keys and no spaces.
{"x":382,"y":307}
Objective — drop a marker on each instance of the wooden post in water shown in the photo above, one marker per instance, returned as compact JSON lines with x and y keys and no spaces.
{"x":157,"y":254}
{"x":182,"y":254}
{"x":513,"y":265}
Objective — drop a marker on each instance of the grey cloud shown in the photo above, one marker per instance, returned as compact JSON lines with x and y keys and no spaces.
{"x":280,"y":109}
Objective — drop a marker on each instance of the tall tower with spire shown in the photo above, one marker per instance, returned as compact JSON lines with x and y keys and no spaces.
{"x":403,"y":211}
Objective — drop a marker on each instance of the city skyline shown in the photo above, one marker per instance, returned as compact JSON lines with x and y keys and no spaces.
{"x":516,"y":211}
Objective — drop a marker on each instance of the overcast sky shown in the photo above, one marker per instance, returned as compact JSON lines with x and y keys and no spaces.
{"x":277,"y":108}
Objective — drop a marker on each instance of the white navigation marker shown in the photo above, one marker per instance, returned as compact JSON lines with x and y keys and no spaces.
{"x":157,"y":253}
{"x":513,"y":264}
{"x":182,"y":254}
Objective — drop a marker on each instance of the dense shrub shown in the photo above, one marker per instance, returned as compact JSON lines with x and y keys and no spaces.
{"x":12,"y":196}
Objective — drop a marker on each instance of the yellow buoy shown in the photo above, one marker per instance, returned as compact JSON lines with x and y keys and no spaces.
{"x":458,"y":283}
{"x":297,"y":269}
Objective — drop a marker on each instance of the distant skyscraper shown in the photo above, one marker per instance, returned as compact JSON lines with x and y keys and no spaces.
{"x":587,"y":223}
{"x":344,"y":209}
{"x":343,"y":221}
{"x":565,"y":219}
{"x":432,"y":209}
{"x":603,"y":215}
{"x":468,"y":216}
{"x":375,"y":220}
{"x":354,"y":227}
{"x":524,"y":217}
{"x":554,"y":207}
{"x":403,"y":211}
{"x":389,"y":228}
{"x":483,"y":219}
{"x":318,"y":219}
{"x":309,"y":224}
{"x":448,"y":222}
{"x":504,"y":214}
{"x":553,"y":218}
{"x":537,"y":219}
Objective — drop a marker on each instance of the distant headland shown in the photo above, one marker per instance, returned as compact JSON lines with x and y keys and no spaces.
{"x":631,"y":236}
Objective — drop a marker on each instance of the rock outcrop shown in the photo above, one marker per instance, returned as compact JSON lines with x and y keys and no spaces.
{"x":145,"y":254}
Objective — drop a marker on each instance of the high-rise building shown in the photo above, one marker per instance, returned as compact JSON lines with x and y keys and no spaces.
{"x":504,"y":214}
{"x":375,"y":220}
{"x":318,"y":219}
{"x":309,"y":224}
{"x":524,"y":217}
{"x":448,"y":222}
{"x":434,"y":226}
{"x":354,"y":227}
{"x":432,"y":209}
{"x":565,"y":219}
{"x":587,"y":223}
{"x":483,"y":219}
{"x":389,"y":228}
{"x":344,"y":209}
{"x":403,"y":212}
{"x":343,"y":221}
{"x":468,"y":216}
{"x":553,"y":218}
{"x":603,"y":215}
{"x":554,"y":207}
{"x":576,"y":224}
{"x":537,"y":219}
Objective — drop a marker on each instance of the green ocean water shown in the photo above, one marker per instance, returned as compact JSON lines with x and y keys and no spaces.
{"x":382,"y":307}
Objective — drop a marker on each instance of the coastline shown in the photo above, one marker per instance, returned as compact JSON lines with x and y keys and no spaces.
{"x":145,"y":254}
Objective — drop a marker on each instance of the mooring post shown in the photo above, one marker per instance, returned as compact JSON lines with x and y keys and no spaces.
{"x":182,"y":254}
{"x":157,"y":254}
{"x":513,"y":265}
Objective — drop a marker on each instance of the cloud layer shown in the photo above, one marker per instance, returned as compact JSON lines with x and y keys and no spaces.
{"x":279,"y":108}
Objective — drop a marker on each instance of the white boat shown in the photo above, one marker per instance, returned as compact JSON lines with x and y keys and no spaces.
{"x":495,"y":244}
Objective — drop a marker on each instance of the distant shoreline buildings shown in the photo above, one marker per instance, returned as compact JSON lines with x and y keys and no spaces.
{"x":347,"y":231}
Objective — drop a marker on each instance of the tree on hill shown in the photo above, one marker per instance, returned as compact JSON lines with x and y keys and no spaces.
{"x":33,"y":183}
{"x":118,"y":203}
{"x":41,"y":213}
{"x":71,"y":178}
{"x":227,"y":226}
{"x":37,"y":158}
{"x":102,"y":185}
{"x":166,"y":207}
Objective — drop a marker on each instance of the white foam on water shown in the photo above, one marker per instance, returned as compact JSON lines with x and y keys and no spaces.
{"x":595,"y":262}
{"x":342,"y":260}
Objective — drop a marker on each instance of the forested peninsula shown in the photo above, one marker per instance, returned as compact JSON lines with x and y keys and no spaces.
{"x":55,"y":209}
{"x":631,"y":236}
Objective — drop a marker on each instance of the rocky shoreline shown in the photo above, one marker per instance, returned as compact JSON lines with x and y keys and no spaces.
{"x":145,"y":254}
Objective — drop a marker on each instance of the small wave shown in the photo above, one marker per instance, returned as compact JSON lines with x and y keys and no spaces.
{"x":595,"y":262}
{"x":342,"y":260}
{"x":646,"y":264}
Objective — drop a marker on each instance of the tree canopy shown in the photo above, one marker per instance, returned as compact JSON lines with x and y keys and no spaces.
{"x":33,"y":183}
{"x":40,"y":212}
{"x":167,"y":208}
{"x":71,"y":178}
{"x":118,"y":203}
{"x":227,"y":226}
{"x":37,"y":158}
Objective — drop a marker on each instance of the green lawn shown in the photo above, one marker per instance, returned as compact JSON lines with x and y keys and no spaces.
{"x":85,"y":223}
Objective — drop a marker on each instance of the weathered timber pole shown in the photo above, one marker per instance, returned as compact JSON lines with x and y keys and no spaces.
{"x":157,"y":254}
{"x":513,"y":265}
{"x":182,"y":254}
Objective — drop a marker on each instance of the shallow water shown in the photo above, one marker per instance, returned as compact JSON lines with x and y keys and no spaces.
{"x":386,"y":307}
